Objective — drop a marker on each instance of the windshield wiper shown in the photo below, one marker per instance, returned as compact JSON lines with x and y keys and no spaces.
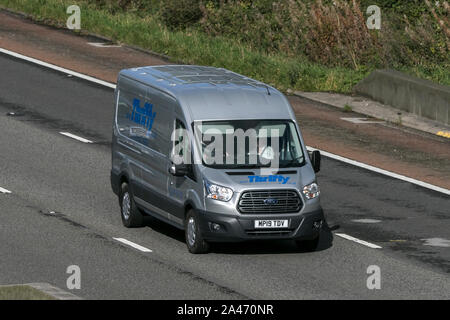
{"x":250,"y":166}
{"x":292,"y":161}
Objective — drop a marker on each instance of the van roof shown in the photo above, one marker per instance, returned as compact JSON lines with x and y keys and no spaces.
{"x":214,"y":93}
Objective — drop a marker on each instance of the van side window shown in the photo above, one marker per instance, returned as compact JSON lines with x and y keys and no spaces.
{"x":179,"y":138}
{"x":161,"y":106}
{"x":124,"y":108}
{"x":135,"y":117}
{"x":182,"y":145}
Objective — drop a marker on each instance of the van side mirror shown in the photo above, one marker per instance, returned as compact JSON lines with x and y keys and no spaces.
{"x":315,"y":160}
{"x":179,"y":170}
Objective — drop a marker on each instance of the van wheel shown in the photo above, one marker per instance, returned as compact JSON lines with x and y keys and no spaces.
{"x":131,"y":215}
{"x":308,"y":245}
{"x":194,"y":239}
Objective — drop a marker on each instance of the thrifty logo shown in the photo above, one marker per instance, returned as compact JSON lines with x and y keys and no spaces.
{"x":142,"y":116}
{"x":274,"y":178}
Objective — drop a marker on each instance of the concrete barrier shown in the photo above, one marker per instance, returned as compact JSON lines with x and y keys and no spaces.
{"x":421,"y":97}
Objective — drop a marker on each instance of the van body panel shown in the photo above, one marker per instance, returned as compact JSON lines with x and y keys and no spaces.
{"x":239,"y":103}
{"x":156,"y":153}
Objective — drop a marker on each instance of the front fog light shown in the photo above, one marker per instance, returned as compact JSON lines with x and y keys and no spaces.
{"x":216,"y":192}
{"x":214,"y":226}
{"x":317,"y":224}
{"x":311,"y":191}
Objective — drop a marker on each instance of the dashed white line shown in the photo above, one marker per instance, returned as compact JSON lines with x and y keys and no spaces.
{"x":54,"y":67}
{"x":132,"y":244}
{"x":103,"y":45}
{"x":326,"y":154}
{"x":365,"y":243}
{"x":362,"y":121}
{"x":2,"y":190}
{"x":382,"y":171}
{"x":67,"y":134}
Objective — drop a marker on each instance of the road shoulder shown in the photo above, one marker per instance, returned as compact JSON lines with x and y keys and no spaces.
{"x":410,"y":153}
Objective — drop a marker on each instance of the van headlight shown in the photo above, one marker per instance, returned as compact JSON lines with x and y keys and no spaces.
{"x":311,"y":191}
{"x":216,"y":192}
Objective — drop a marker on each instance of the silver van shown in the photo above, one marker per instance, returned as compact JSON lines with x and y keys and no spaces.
{"x":214,"y":153}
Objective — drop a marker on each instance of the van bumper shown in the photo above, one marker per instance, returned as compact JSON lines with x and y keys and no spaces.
{"x":241,"y":228}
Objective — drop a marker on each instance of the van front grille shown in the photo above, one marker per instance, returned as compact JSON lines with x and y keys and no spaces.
{"x":270,"y":202}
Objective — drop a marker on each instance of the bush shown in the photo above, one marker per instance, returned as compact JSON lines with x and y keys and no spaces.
{"x":334,"y":32}
{"x":140,"y":7}
{"x":311,"y":45}
{"x":334,"y":35}
{"x":180,"y":14}
{"x":413,"y":9}
{"x":338,"y":35}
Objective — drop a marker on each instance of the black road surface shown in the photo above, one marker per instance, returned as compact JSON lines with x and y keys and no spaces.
{"x":62,"y":212}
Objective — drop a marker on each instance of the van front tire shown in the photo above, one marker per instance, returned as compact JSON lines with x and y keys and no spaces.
{"x":194,"y":239}
{"x":130,"y":213}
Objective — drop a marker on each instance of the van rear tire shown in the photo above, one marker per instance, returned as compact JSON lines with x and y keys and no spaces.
{"x":194,"y":239}
{"x":130,"y":213}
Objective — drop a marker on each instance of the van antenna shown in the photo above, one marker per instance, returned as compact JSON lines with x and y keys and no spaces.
{"x":268,"y":92}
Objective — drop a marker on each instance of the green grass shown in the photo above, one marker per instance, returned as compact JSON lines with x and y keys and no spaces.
{"x":194,"y":47}
{"x":347,"y":108}
{"x":22,"y":292}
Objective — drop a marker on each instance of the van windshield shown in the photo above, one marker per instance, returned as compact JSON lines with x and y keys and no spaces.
{"x":236,"y":144}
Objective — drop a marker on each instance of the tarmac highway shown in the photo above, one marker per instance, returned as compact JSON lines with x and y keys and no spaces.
{"x":61,"y":211}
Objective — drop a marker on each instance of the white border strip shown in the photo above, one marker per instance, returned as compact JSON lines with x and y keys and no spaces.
{"x":326,"y":154}
{"x":365,"y":243}
{"x":4,"y":190}
{"x":382,"y":171}
{"x":132,"y":244}
{"x":67,"y":134}
{"x":52,"y":66}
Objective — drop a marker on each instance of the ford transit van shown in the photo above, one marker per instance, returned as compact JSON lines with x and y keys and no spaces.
{"x":214,"y":153}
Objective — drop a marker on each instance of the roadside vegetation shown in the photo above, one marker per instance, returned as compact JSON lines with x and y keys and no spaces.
{"x":22,"y":292}
{"x":307,"y":45}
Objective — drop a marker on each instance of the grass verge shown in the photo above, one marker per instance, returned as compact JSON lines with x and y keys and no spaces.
{"x":194,"y":47}
{"x":22,"y":292}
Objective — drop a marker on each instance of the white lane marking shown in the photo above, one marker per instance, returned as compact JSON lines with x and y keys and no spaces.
{"x":382,"y":171}
{"x":361,"y":120}
{"x":132,"y":244}
{"x":327,"y":154}
{"x":67,"y":134}
{"x":60,"y":69}
{"x":436,"y":242}
{"x":365,"y":243}
{"x":366,"y":220}
{"x":4,"y":190}
{"x":103,"y":45}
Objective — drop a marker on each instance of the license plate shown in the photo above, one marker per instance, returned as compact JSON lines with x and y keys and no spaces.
{"x":264,"y":224}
